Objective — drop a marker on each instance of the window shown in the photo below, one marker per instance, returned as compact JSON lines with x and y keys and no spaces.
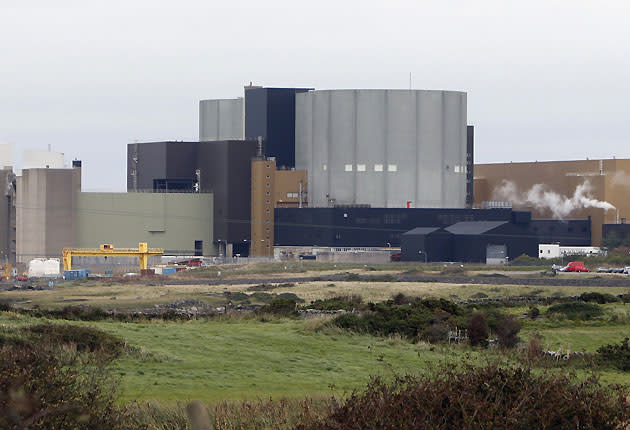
{"x":267,"y":184}
{"x":292,"y":195}
{"x":268,"y":176}
{"x":378,"y":167}
{"x":268,"y":201}
{"x":392,"y":167}
{"x":360,"y":167}
{"x":324,"y":167}
{"x":457,"y":169}
{"x":268,"y":166}
{"x":267,"y":193}
{"x":348,"y":167}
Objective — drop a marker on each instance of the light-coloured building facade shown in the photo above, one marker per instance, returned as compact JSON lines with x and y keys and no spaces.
{"x":221,"y":119}
{"x":383,"y":148}
{"x":179,"y":223}
{"x":46,"y":211}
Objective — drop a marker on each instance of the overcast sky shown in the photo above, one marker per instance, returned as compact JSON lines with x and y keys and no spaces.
{"x":545,"y":79}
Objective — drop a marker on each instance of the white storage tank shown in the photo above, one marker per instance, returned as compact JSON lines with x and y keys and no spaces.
{"x":43,"y":268}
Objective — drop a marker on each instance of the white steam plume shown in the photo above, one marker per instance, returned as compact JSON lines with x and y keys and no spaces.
{"x":543,"y":199}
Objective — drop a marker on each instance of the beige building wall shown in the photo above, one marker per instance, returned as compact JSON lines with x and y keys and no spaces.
{"x":46,"y":215}
{"x":609,"y":179}
{"x":172,"y":221}
{"x":272,"y":188}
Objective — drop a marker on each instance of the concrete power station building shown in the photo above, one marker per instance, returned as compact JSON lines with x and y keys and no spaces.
{"x":383,"y":148}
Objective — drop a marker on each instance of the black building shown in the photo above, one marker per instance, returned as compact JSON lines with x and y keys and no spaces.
{"x":219,"y":167}
{"x":617,"y":234}
{"x":384,"y":227}
{"x":470,"y":166}
{"x":270,"y":113}
{"x":427,"y":244}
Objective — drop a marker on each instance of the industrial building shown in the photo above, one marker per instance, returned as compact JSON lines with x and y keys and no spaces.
{"x":383,"y":148}
{"x":179,"y":223}
{"x":219,"y":167}
{"x":221,"y":119}
{"x":555,"y":197}
{"x":272,"y":188}
{"x":347,"y":227}
{"x":46,"y":211}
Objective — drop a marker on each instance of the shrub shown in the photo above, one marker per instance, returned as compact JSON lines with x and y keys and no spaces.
{"x":577,"y":310}
{"x":279,"y":306}
{"x":479,"y":295}
{"x":534,"y":312}
{"x":599,"y":298}
{"x":291,"y":296}
{"x":507,"y":331}
{"x":615,"y":355}
{"x":436,"y":333}
{"x":478,"y":330}
{"x":401,"y":299}
{"x":39,"y":391}
{"x":86,"y":339}
{"x":347,"y":303}
{"x":409,"y":320}
{"x":489,"y":397}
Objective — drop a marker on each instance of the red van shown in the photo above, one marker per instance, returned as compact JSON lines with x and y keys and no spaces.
{"x":576,"y":266}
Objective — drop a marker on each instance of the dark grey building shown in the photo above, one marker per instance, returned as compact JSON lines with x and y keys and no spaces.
{"x":470,"y":166}
{"x":383,"y":227}
{"x":417,"y":244}
{"x":270,"y":113}
{"x":220,"y":167}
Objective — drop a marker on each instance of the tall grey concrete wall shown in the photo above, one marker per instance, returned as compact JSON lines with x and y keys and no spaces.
{"x":171,"y":221}
{"x":46,"y":212}
{"x":221,"y":119}
{"x":383,"y":148}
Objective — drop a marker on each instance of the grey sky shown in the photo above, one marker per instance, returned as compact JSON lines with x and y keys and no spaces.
{"x":545,"y":79}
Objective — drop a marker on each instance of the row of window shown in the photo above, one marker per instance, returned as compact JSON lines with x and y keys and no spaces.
{"x":390,"y":168}
{"x":363,"y":167}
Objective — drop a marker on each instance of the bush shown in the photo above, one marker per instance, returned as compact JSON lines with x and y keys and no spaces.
{"x":39,"y":391}
{"x":436,"y":333}
{"x":615,"y":355}
{"x":86,"y":339}
{"x":599,"y":298}
{"x":489,"y":397}
{"x":409,"y":320}
{"x":534,"y":312}
{"x":507,"y":331}
{"x":478,"y":330}
{"x":285,"y":307}
{"x":576,"y":310}
{"x":347,"y":303}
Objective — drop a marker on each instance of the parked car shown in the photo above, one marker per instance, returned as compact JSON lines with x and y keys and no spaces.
{"x":604,"y":270}
{"x":618,"y":270}
{"x":626,"y":270}
{"x":576,"y":266}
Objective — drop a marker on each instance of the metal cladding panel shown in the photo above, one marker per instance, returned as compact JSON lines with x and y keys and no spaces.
{"x":383,"y":147}
{"x":371,"y":150}
{"x":221,"y":119}
{"x":343,"y":146}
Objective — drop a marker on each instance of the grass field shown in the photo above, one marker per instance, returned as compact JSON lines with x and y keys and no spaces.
{"x":246,"y":359}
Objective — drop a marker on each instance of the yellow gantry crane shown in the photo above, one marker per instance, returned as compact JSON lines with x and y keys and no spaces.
{"x":107,"y":250}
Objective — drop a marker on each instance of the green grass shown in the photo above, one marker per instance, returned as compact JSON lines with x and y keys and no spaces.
{"x":247,"y":359}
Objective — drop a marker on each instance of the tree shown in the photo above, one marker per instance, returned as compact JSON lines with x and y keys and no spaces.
{"x":478,"y":330}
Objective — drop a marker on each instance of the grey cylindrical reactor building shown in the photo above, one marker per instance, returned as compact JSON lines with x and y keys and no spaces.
{"x":384,"y":148}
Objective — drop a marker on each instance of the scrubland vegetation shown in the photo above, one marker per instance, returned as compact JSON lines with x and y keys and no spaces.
{"x":403,"y":355}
